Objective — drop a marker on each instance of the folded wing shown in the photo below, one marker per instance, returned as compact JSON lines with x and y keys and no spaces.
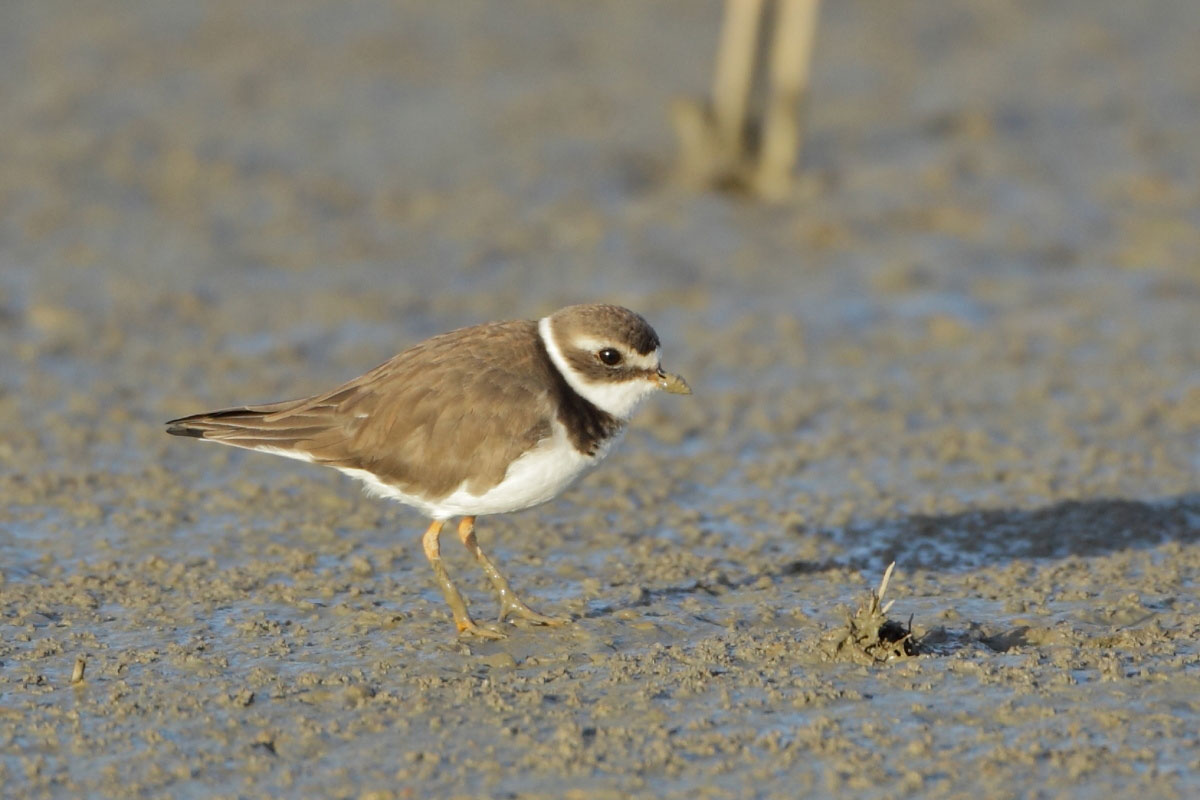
{"x":480,"y":392}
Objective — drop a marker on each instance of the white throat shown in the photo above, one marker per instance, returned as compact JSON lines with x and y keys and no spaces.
{"x":619,"y":399}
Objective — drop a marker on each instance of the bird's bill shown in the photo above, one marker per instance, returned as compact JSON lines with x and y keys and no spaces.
{"x":672,"y":384}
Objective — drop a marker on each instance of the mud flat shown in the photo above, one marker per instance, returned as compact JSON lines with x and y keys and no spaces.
{"x":969,"y":345}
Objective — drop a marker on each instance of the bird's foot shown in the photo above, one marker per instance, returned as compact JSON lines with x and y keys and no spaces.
{"x":512,"y":605}
{"x":472,"y":628}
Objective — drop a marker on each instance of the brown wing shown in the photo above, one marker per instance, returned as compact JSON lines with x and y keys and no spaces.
{"x":457,"y":407}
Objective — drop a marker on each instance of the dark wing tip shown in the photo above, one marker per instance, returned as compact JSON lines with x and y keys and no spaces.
{"x":198,"y":426}
{"x":183,"y":427}
{"x":176,"y":427}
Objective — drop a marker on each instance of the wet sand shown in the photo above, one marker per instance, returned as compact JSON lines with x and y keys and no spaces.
{"x":969,"y":345}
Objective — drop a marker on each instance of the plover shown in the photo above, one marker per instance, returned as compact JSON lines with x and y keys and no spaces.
{"x":482,"y":420}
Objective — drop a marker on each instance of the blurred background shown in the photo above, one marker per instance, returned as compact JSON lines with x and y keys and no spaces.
{"x":965,"y":337}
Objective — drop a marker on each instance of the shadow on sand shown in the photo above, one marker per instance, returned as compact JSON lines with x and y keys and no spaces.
{"x":969,"y":540}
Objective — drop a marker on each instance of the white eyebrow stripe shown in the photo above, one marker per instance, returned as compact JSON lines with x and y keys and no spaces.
{"x":650,"y":360}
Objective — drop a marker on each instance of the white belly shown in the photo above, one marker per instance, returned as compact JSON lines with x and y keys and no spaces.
{"x":535,"y":477}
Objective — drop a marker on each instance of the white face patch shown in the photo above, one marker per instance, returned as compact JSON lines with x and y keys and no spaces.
{"x":619,"y":399}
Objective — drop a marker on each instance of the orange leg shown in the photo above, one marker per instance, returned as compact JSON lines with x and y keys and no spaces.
{"x":509,"y":602}
{"x":433,"y":552}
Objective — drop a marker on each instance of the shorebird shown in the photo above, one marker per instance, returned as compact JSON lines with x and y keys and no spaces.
{"x":482,"y":420}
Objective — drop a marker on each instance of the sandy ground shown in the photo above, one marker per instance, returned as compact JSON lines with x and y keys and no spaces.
{"x":969,"y":344}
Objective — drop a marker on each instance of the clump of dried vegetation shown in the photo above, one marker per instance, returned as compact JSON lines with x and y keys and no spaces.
{"x":868,"y":635}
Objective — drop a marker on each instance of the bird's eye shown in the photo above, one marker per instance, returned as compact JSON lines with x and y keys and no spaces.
{"x":609,"y":356}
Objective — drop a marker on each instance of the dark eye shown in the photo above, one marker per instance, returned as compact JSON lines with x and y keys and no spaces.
{"x":609,"y":356}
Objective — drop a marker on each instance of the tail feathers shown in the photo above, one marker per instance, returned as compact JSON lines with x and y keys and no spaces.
{"x":262,"y":428}
{"x":208,"y":426}
{"x":184,"y":430}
